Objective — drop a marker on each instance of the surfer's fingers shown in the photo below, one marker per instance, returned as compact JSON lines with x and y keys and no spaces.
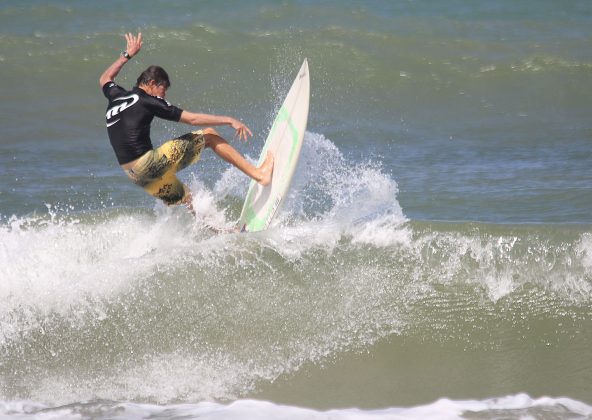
{"x":239,"y":133}
{"x":134,"y":44}
{"x":247,"y":133}
{"x":130,"y":40}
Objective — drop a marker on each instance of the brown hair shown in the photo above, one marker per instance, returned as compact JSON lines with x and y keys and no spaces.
{"x":155,"y":73}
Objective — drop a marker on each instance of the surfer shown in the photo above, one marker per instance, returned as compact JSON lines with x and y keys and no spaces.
{"x":129,"y":115}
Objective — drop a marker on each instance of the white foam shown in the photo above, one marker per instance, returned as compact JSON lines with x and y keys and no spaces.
{"x":160,"y":378}
{"x":502,"y":263}
{"x":356,"y":200}
{"x":205,"y":205}
{"x":513,"y":406}
{"x":584,"y":249}
{"x":65,"y":267}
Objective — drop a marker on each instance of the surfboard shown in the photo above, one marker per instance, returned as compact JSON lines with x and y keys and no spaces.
{"x":285,"y":142}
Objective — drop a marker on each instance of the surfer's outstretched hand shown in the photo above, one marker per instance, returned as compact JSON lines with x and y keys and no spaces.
{"x":134,"y":43}
{"x":242,"y":131}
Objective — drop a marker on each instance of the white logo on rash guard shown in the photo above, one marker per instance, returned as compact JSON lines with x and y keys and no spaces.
{"x":113,"y":123}
{"x":115,"y":110}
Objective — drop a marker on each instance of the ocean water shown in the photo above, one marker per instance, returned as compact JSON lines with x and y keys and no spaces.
{"x":432,"y":260}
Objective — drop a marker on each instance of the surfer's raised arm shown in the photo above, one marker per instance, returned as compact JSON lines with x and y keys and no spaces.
{"x":134,"y":44}
{"x":194,"y":118}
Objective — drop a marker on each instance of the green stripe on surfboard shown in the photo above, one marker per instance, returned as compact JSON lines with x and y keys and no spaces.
{"x":258,"y":223}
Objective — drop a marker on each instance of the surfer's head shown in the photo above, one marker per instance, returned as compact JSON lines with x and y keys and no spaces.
{"x":154,"y":80}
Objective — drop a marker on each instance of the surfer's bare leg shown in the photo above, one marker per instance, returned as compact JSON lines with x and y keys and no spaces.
{"x":261,"y":174}
{"x":188,"y":202}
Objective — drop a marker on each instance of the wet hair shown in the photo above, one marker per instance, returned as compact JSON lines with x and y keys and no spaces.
{"x":155,"y":73}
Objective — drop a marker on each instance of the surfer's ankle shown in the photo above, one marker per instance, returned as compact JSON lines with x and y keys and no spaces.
{"x":266,"y":170}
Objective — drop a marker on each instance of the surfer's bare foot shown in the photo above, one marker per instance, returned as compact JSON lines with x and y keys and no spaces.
{"x":266,"y":170}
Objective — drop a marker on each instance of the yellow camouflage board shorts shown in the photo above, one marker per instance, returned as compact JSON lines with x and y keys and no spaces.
{"x":155,"y":170}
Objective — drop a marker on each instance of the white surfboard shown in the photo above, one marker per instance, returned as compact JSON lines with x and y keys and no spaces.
{"x":284,"y":141}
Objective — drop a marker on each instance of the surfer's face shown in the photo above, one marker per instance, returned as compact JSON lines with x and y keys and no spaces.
{"x":160,"y":90}
{"x":154,"y":89}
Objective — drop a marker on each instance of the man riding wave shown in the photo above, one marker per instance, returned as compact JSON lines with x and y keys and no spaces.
{"x":128,"y":118}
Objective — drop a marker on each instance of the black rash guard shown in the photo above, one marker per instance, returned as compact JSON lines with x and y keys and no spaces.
{"x":129,"y":115}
